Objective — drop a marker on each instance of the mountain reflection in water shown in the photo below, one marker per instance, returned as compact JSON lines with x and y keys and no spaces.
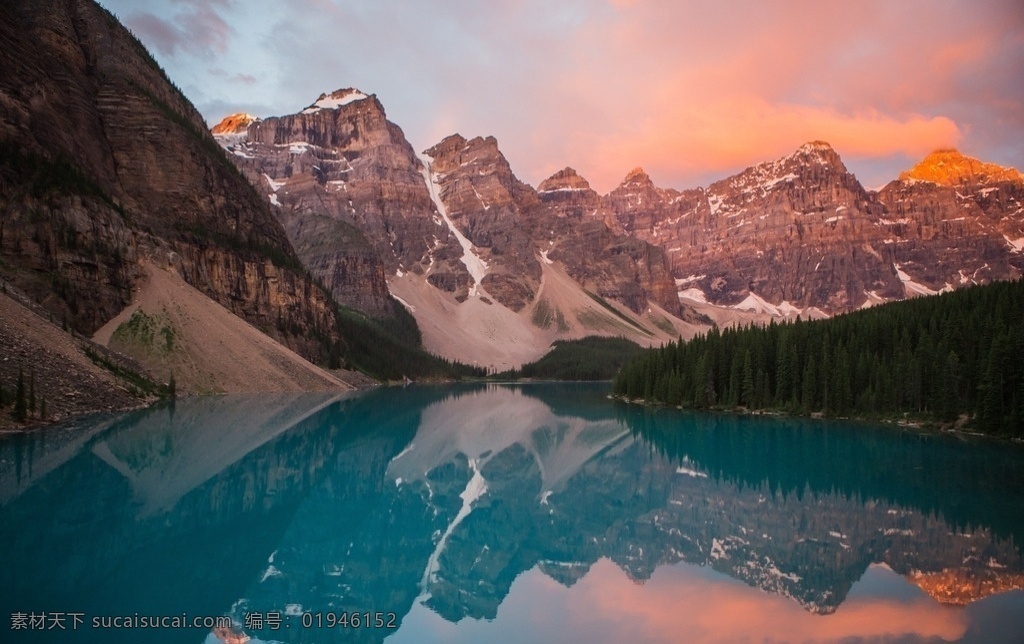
{"x":511,"y":513}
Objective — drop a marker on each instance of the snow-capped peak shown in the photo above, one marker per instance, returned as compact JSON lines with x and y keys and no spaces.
{"x":636,"y":175}
{"x":756,"y":180}
{"x":335,"y":100}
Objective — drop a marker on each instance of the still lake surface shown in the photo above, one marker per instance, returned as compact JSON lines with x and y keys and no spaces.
{"x":504,"y":513}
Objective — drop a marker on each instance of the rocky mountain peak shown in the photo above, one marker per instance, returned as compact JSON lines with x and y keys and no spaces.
{"x":815,"y":146}
{"x":447,"y":145}
{"x":949,"y":167}
{"x":813,"y":161}
{"x":566,"y":179}
{"x":637,"y":176}
{"x":487,"y":145}
{"x":335,"y":100}
{"x":233,"y":124}
{"x":455,"y":151}
{"x":818,"y":153}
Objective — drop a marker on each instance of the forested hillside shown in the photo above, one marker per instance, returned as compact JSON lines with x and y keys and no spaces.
{"x":590,"y":358}
{"x":932,"y":358}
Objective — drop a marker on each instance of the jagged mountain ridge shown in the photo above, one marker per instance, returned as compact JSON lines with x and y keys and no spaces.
{"x":798,"y":235}
{"x":452,"y":232}
{"x":316,"y":166}
{"x":523,"y":229}
{"x":801,"y":233}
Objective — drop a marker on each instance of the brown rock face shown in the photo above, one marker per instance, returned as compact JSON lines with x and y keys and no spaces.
{"x":359,"y":205}
{"x":515,"y":224}
{"x":803,"y":230}
{"x":777,"y":229}
{"x":570,"y":195}
{"x":495,"y":211}
{"x":566,"y":180}
{"x":943,"y":235}
{"x":956,"y":220}
{"x":104,"y":161}
{"x":637,"y":204}
{"x":350,"y":193}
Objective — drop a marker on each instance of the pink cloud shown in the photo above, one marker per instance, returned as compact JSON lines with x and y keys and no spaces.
{"x":692,"y":90}
{"x":731,"y":132}
{"x":198,"y":30}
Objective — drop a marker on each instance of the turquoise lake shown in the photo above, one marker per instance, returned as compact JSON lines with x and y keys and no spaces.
{"x":503,"y":513}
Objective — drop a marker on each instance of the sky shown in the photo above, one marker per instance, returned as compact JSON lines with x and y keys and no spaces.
{"x":690,"y":90}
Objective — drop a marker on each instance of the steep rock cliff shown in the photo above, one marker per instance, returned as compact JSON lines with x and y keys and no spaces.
{"x":517,"y":223}
{"x":349,"y":190}
{"x":105,"y":161}
{"x":954,"y":220}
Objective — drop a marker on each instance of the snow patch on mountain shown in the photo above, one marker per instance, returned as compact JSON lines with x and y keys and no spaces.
{"x":715,"y":203}
{"x":1016,"y":244}
{"x":757,"y":304}
{"x":274,"y":185}
{"x":754,"y":303}
{"x":335,"y":100}
{"x":475,"y":489}
{"x":718,"y":550}
{"x":694,"y":294}
{"x":691,"y":473}
{"x":564,"y":189}
{"x":911,"y":287}
{"x":771,"y":183}
{"x":476,"y":266}
{"x":873,"y":299}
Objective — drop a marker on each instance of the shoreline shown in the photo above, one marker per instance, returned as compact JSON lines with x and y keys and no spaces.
{"x":10,"y":427}
{"x":918,"y":426}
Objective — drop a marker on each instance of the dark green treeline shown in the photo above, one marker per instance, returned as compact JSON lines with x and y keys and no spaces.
{"x":934,"y":358}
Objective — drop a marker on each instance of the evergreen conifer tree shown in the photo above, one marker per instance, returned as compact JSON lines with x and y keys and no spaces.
{"x":748,"y":380}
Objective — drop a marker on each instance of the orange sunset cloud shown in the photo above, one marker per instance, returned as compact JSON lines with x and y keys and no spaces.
{"x":742,"y":131}
{"x":690,"y":91}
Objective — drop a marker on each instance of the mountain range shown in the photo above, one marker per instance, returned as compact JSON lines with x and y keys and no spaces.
{"x":325,"y":229}
{"x":492,"y":269}
{"x":453,"y":227}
